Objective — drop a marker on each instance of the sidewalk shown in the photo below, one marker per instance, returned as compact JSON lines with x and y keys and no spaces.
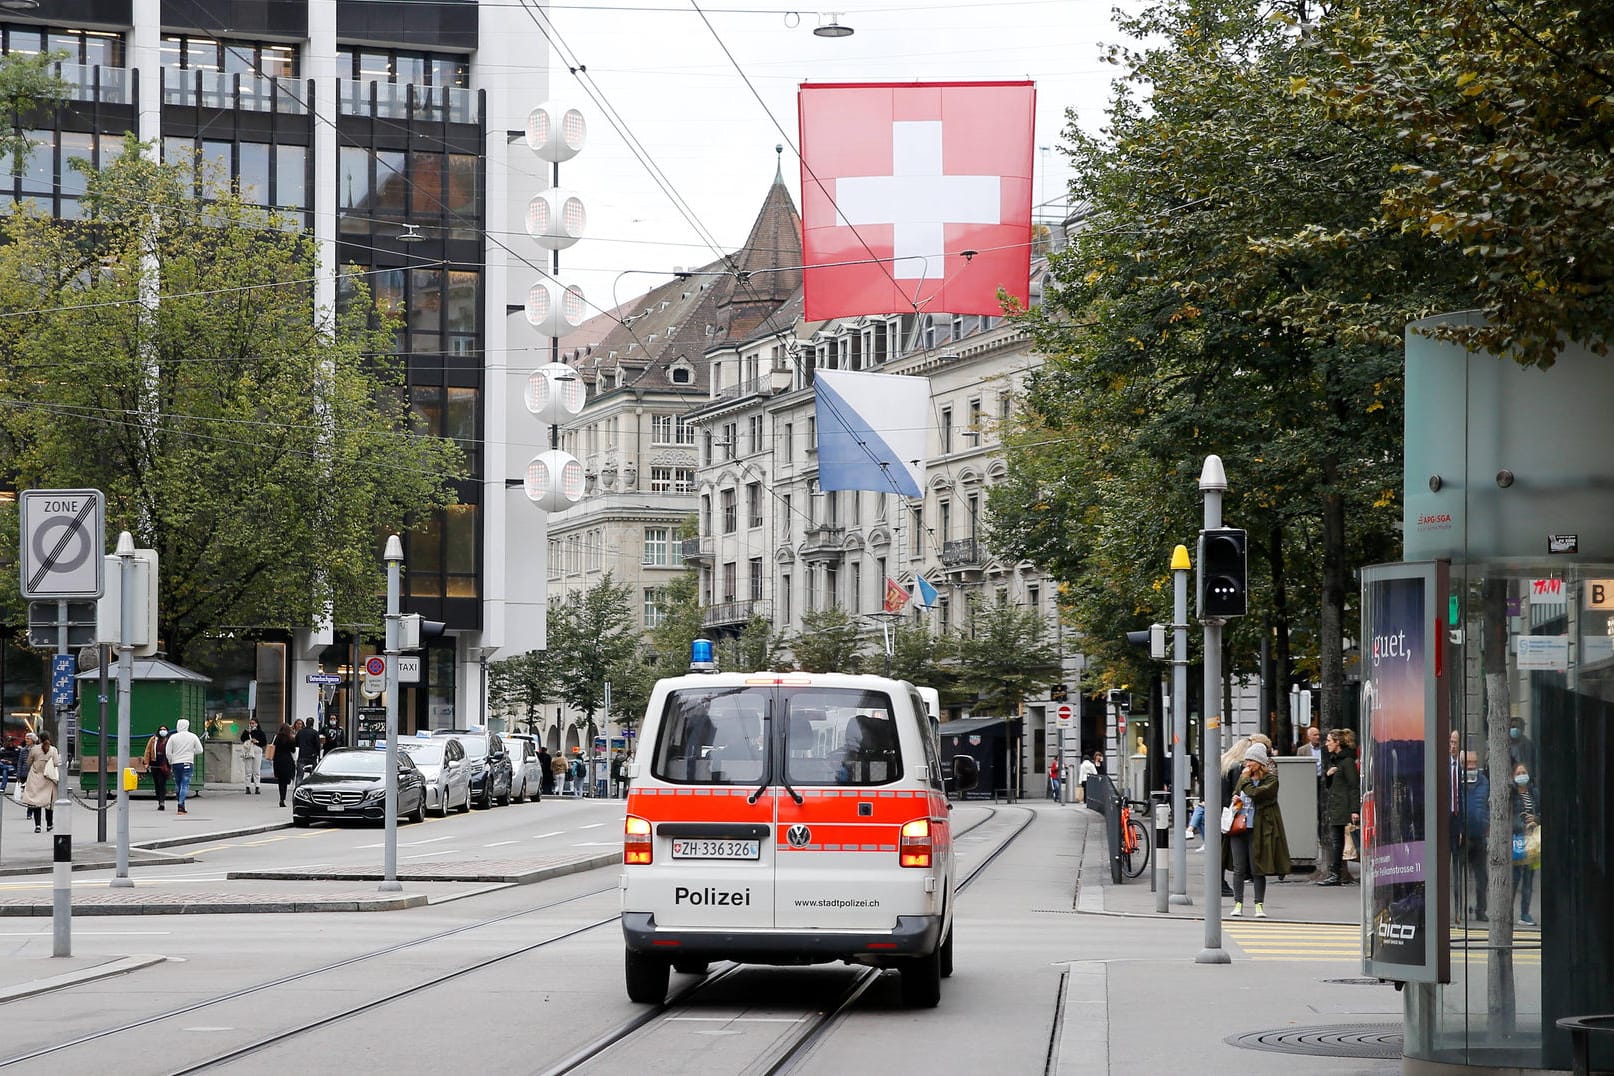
{"x":220,"y":811}
{"x":1292,"y":899}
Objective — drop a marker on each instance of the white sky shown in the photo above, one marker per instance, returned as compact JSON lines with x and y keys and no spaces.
{"x":659,"y":66}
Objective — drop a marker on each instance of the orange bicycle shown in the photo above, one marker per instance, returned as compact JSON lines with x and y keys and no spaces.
{"x":1136,"y":843}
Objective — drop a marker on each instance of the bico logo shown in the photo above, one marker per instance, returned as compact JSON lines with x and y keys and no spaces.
{"x":1398,"y":931}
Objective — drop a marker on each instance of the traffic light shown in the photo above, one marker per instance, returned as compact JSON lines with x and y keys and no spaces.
{"x":1224,"y":573}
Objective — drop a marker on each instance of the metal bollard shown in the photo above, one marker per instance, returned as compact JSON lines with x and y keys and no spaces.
{"x":1159,"y":881}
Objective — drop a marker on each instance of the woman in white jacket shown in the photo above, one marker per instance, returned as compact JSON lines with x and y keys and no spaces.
{"x":44,"y":773}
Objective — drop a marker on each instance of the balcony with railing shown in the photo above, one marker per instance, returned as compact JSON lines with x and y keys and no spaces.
{"x":735,"y":614}
{"x":235,"y":90}
{"x":962,"y":553}
{"x":696,"y":549}
{"x":401,"y":101}
{"x":92,"y":82}
{"x":823,"y":541}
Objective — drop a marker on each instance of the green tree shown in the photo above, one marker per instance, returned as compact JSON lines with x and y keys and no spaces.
{"x":519,"y":686}
{"x":1006,"y":655}
{"x":591,"y":633}
{"x":29,"y":90}
{"x":929,"y":659}
{"x":683,"y":620}
{"x":755,"y":648}
{"x":257,"y":442}
{"x":1203,"y":309}
{"x":830,"y":641}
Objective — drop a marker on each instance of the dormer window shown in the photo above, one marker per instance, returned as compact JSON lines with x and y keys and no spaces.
{"x":681,"y":375}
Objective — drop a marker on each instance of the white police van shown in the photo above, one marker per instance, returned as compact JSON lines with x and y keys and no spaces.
{"x":787,"y":818}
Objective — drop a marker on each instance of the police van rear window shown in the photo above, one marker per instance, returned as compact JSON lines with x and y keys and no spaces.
{"x":831,"y":736}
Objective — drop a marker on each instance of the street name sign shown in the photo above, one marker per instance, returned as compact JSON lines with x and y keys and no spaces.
{"x":324,"y":678}
{"x":63,"y":539}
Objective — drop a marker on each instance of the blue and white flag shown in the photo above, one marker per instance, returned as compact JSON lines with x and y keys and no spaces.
{"x":871,"y":431}
{"x":924,"y":595}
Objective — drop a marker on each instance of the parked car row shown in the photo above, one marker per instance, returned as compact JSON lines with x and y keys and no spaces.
{"x":450,"y":770}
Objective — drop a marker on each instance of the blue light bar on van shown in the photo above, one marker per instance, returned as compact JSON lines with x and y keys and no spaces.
{"x":700,"y":656}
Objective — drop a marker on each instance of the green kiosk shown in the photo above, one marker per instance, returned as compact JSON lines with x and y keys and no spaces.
{"x":160,"y":693}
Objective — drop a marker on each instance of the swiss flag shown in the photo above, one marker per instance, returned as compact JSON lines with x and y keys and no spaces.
{"x":898,"y":181}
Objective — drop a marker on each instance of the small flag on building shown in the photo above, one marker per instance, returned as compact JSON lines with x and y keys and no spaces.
{"x":895,"y":596}
{"x":924,"y":595}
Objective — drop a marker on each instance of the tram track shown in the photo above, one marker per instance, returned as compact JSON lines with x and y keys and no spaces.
{"x":325,"y":969}
{"x":796,"y":1045}
{"x":811,"y":1027}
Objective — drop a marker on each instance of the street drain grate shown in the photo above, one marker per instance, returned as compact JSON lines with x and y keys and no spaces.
{"x":1326,"y":1040}
{"x":1360,"y":980}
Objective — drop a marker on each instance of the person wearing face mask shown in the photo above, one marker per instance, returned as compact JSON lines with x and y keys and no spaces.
{"x":1521,"y":752}
{"x":1524,"y":820}
{"x":157,"y":765}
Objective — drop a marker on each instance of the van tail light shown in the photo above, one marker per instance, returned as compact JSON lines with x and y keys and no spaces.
{"x":914,"y":847}
{"x":636,"y":844}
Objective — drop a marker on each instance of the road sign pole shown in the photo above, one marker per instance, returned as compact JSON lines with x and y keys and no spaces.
{"x":1179,"y":726}
{"x":126,"y":569}
{"x":389,"y":842}
{"x":62,"y":840}
{"x":103,"y":655}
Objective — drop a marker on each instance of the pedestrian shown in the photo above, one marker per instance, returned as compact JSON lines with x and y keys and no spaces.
{"x":307,"y":738}
{"x":1312,"y":745}
{"x":253,"y":742}
{"x":1525,"y":827}
{"x":576,"y":776}
{"x":1053,"y":779}
{"x":1091,"y":765}
{"x":1342,"y":803}
{"x":44,"y":775}
{"x":183,"y":747}
{"x":285,"y":760}
{"x":334,"y":736}
{"x":547,"y":782}
{"x":1471,"y":826}
{"x":557,"y":773}
{"x":1262,"y":848}
{"x":619,"y":774}
{"x":156,"y":757}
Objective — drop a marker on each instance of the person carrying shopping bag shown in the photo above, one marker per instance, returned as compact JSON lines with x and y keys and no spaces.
{"x":1262,"y":848}
{"x":44,"y":775}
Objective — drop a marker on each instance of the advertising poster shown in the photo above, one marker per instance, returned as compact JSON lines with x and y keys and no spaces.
{"x":1404,"y":858}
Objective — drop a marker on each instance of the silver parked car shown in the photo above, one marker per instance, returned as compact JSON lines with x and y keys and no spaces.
{"x":441,"y":761}
{"x":526,"y":779}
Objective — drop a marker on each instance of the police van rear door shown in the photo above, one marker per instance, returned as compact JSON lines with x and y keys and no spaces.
{"x":712,"y":811}
{"x":838,"y":865}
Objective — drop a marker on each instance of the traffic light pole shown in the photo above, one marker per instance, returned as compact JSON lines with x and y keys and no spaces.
{"x":1212,"y":483}
{"x":389,"y":841}
{"x":1178,"y":875}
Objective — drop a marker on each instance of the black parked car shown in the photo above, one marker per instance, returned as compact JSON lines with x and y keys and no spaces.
{"x":346,"y":783}
{"x":491,"y":771}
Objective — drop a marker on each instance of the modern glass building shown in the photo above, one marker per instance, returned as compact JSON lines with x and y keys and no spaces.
{"x":392,"y":128}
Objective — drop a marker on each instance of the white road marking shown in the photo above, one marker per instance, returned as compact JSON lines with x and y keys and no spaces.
{"x":739,"y":1019}
{"x":431,"y":840}
{"x":428,"y":855}
{"x":498,"y":844}
{"x":551,"y":833}
{"x":595,"y":825}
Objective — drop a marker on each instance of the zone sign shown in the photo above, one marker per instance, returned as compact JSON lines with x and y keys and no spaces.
{"x":63,"y":541}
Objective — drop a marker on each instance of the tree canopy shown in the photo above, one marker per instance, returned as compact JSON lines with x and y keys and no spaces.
{"x":167,"y":349}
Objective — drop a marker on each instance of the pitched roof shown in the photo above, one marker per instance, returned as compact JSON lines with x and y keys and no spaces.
{"x":729,"y":298}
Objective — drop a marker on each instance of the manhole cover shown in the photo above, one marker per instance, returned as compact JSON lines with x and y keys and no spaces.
{"x":1326,"y":1040}
{"x":1358,"y":981}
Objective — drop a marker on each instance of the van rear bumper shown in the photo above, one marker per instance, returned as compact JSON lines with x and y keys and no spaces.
{"x":914,"y":935}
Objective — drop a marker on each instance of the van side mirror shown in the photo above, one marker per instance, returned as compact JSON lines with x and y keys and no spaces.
{"x":966,"y":772}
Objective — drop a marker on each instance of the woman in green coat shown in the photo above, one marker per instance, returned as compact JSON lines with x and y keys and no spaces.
{"x":1342,"y":800}
{"x":1262,"y":849}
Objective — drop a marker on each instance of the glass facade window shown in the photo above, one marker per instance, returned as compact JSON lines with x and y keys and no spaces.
{"x":653,"y":614}
{"x":394,"y":65}
{"x":46,"y":180}
{"x":89,"y":47}
{"x":188,"y":52}
{"x":658,"y":547}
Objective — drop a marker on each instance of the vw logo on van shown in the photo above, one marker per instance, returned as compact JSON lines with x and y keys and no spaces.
{"x":799,"y":836}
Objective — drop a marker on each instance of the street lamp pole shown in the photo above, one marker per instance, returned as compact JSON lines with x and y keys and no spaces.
{"x":389,"y":845}
{"x":1212,"y":483}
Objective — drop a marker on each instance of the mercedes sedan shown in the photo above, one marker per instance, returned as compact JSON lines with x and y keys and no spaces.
{"x":347,"y":784}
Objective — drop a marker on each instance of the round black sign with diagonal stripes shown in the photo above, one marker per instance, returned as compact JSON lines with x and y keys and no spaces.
{"x":63,"y":542}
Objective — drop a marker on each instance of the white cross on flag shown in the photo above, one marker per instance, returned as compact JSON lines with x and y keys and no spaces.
{"x":900,"y":180}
